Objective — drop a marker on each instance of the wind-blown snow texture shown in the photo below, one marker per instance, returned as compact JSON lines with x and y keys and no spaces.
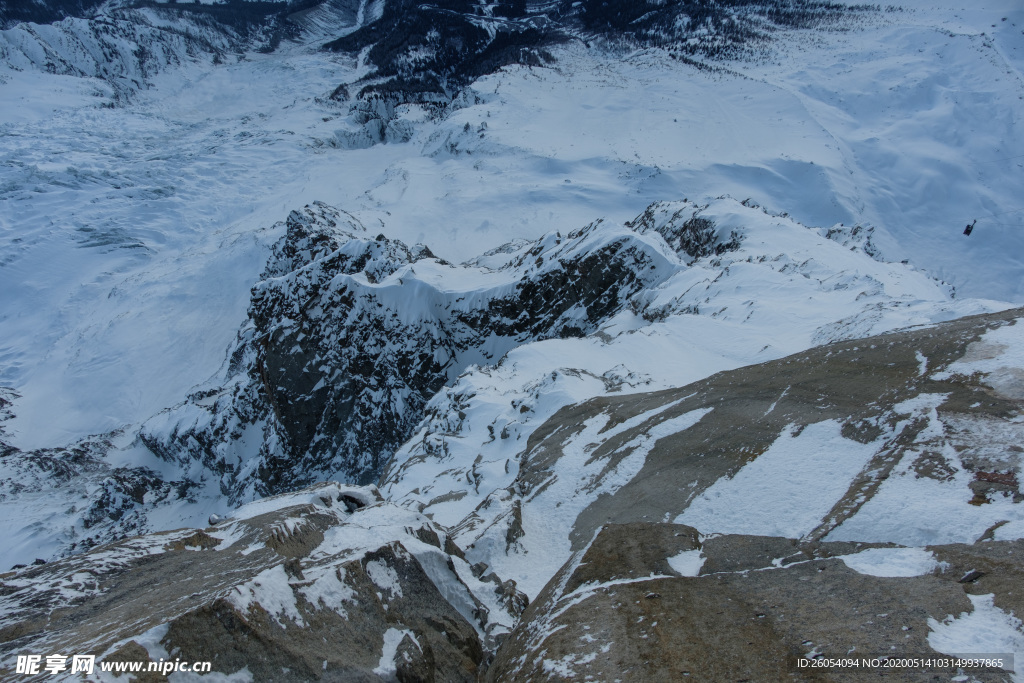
{"x":144,"y":194}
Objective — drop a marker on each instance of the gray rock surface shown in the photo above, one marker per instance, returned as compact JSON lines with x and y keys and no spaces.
{"x":296,"y":588}
{"x":333,"y":583}
{"x":862,"y":383}
{"x":618,"y":611}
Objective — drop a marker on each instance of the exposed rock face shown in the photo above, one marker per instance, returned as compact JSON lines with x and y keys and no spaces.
{"x":326,"y":584}
{"x":861,"y":497}
{"x":652,"y":602}
{"x":892,"y":438}
{"x":351,"y":335}
{"x":332,"y":584}
{"x":685,"y":230}
{"x":436,"y":49}
{"x":426,"y":56}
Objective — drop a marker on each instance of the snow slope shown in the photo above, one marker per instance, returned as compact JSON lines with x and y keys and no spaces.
{"x":785,"y":288}
{"x":132,"y":234}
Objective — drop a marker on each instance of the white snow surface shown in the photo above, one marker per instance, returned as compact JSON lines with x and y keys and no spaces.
{"x":325,"y":494}
{"x":131,"y":235}
{"x":892,"y":561}
{"x":387,"y":667}
{"x":787,"y":490}
{"x":985,"y":630}
{"x":912,"y":510}
{"x":688,"y":562}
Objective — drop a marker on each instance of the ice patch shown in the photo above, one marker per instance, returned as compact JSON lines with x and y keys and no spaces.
{"x":327,"y":589}
{"x":435,"y":564}
{"x":387,"y":668}
{"x":385,"y":577}
{"x":919,"y":511}
{"x":1010,"y":531}
{"x":564,"y":667}
{"x":270,"y":590}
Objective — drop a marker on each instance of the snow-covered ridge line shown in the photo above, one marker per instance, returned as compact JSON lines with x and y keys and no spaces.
{"x":350,"y":336}
{"x":353,"y":339}
{"x":757,"y":286}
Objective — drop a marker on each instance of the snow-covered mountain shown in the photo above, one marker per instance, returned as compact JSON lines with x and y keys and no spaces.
{"x":177,"y":190}
{"x":883,"y":475}
{"x":352,"y":335}
{"x":518,"y":265}
{"x":125,"y":46}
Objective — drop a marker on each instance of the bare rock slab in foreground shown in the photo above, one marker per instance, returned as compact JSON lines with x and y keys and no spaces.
{"x":328,"y":584}
{"x":652,"y":602}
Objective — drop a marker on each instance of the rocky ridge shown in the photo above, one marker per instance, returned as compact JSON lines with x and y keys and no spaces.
{"x":277,"y":588}
{"x":659,"y":602}
{"x":905,"y":544}
{"x":351,"y":335}
{"x":360,"y":347}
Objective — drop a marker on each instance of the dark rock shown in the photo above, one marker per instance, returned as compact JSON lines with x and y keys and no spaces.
{"x":685,"y":230}
{"x":971,"y":576}
{"x":335,"y":373}
{"x":428,"y":52}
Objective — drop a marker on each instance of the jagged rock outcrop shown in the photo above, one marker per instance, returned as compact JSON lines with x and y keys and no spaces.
{"x":328,"y":583}
{"x":351,"y":336}
{"x":686,"y":231}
